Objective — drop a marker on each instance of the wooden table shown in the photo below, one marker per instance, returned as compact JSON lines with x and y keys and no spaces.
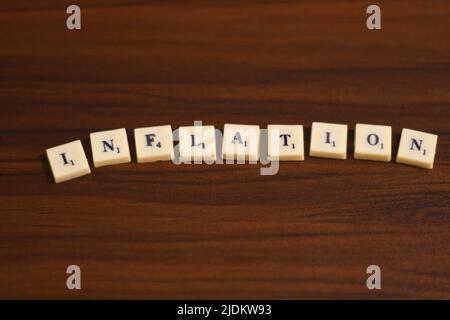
{"x":221,"y":231}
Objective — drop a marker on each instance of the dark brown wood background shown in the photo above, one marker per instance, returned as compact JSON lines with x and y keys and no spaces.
{"x":200,"y":231}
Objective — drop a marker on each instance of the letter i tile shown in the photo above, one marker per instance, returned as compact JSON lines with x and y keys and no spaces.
{"x":68,"y":161}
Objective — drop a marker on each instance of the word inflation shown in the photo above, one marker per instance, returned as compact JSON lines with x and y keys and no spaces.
{"x":240,"y":144}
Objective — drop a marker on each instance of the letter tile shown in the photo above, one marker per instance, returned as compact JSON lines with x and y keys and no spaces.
{"x":110,"y":147}
{"x":285,"y":142}
{"x":328,"y":140}
{"x":241,"y":142}
{"x":417,"y":149}
{"x":197,"y":143}
{"x":68,"y":161}
{"x":154,"y":144}
{"x":373,"y":142}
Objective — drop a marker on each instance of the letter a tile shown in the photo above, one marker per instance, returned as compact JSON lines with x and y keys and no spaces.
{"x":241,"y":143}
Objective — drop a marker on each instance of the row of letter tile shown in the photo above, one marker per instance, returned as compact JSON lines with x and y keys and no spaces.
{"x":241,"y":142}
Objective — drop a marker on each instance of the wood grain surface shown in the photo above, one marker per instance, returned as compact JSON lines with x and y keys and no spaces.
{"x":220,"y":231}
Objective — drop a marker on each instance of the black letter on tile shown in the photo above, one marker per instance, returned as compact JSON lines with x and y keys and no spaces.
{"x":66,"y":162}
{"x":285,"y":139}
{"x":108,"y":145}
{"x":328,"y":138}
{"x":369,"y":140}
{"x":415,"y":143}
{"x":237,"y":136}
{"x":150,"y":138}
{"x":328,"y":141}
{"x":196,"y":145}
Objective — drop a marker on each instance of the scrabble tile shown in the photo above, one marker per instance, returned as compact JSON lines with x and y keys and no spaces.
{"x":154,"y":144}
{"x":241,"y":142}
{"x":197,"y":143}
{"x":68,"y":161}
{"x":328,"y":140}
{"x":417,"y":148}
{"x":373,"y":142}
{"x":110,"y":147}
{"x":285,"y":142}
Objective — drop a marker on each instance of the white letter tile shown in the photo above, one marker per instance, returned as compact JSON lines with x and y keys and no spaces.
{"x":328,"y":140}
{"x":197,"y":143}
{"x":417,"y":149}
{"x":241,"y":142}
{"x":153,"y":144}
{"x":110,"y":147}
{"x":68,"y":161}
{"x":285,"y":142}
{"x":373,"y":142}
